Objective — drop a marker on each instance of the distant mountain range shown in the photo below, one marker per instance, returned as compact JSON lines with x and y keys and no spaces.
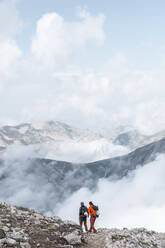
{"x":53,"y":136}
{"x":48,"y":132}
{"x":134,"y":139}
{"x":55,"y":131}
{"x":57,"y":180}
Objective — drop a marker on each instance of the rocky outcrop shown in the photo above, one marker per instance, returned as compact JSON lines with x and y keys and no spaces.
{"x":24,"y":228}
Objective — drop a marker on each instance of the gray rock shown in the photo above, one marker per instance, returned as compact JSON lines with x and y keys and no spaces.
{"x":2,"y":241}
{"x":25,"y":245}
{"x":37,"y":231}
{"x":73,"y":238}
{"x":10,"y":241}
{"x":6,"y":229}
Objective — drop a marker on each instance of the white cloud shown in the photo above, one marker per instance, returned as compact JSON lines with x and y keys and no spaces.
{"x":56,"y":40}
{"x":84,"y":152}
{"x":116,"y":94}
{"x":136,"y":201}
{"x":150,"y":116}
{"x":9,"y":54}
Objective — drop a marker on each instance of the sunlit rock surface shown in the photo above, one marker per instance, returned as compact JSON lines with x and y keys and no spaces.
{"x":21,"y":227}
{"x":24,"y":228}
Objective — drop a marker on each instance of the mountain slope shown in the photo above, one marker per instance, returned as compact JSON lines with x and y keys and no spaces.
{"x":59,"y":141}
{"x":133,"y":139}
{"x":55,"y":181}
{"x":24,"y":228}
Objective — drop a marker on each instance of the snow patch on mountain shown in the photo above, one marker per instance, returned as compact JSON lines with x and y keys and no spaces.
{"x":56,"y":140}
{"x":59,"y":141}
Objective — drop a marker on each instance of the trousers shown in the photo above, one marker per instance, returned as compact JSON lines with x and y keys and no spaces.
{"x":83,"y":220}
{"x":92,"y":222}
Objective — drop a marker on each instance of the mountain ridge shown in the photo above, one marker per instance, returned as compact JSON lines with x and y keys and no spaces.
{"x":28,"y":133}
{"x":32,"y":133}
{"x":59,"y":179}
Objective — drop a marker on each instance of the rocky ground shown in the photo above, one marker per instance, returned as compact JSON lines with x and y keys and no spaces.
{"x":25,"y":228}
{"x":125,"y":238}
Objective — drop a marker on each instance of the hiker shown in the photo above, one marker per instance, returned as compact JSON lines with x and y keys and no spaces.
{"x":93,"y":216}
{"x":83,"y":214}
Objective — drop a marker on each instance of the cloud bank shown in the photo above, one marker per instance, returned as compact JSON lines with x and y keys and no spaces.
{"x":83,"y":152}
{"x":51,"y":80}
{"x":136,"y":201}
{"x":56,"y":40}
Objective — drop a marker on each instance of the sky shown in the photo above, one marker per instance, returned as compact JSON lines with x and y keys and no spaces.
{"x":91,"y":64}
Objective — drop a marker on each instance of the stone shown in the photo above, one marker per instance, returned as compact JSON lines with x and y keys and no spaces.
{"x":73,"y":238}
{"x":25,"y":245}
{"x":6,"y":229}
{"x":2,"y":241}
{"x":37,"y":222}
{"x":10,"y":241}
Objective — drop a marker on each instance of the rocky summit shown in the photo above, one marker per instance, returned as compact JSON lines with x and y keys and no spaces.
{"x":24,"y":228}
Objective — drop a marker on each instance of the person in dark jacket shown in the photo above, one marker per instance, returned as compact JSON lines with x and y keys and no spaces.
{"x":83,"y":214}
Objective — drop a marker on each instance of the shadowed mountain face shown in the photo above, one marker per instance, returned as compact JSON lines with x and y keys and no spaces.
{"x":134,"y":139}
{"x":38,"y":179}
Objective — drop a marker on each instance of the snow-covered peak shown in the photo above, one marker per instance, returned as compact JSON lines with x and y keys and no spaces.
{"x":52,"y":131}
{"x":57,"y":140}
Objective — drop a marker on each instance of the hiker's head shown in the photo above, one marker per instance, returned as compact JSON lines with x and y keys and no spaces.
{"x":90,"y":203}
{"x":82,"y":204}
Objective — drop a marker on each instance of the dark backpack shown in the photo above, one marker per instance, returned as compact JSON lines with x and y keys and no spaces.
{"x":83,"y":210}
{"x":96,"y":208}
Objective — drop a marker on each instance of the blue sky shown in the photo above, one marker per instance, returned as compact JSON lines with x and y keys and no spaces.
{"x":88,"y":63}
{"x":136,"y":28}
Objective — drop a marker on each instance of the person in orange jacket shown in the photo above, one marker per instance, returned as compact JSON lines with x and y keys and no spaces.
{"x":92,"y":214}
